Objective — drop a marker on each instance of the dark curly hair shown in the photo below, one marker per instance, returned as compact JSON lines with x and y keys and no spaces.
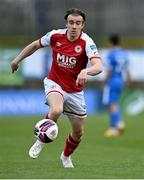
{"x":76,"y":12}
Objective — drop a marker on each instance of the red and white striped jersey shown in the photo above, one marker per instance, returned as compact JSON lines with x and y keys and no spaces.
{"x":69,"y":58}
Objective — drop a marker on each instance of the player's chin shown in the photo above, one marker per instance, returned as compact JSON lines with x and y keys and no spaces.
{"x":73,"y":33}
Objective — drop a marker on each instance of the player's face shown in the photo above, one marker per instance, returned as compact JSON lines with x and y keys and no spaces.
{"x":74,"y":25}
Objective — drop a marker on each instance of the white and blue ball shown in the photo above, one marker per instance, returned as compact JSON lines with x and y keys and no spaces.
{"x":46,"y":130}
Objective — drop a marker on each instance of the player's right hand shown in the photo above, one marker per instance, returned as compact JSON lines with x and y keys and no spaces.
{"x":14,"y":66}
{"x":82,"y":77}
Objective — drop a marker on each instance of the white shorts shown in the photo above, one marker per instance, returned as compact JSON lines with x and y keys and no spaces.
{"x":74,"y":103}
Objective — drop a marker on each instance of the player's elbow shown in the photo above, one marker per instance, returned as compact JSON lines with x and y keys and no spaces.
{"x":97,"y":66}
{"x":99,"y":69}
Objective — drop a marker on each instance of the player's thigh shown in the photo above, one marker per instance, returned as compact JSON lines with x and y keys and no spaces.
{"x":55,"y":101}
{"x":111,"y":95}
{"x":54,"y":94}
{"x":115,"y":95}
{"x":113,"y":107}
{"x":116,"y":90}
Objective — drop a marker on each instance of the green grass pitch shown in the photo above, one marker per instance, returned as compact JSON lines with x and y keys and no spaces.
{"x":97,"y":157}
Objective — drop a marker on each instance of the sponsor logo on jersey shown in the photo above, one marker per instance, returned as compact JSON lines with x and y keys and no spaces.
{"x":96,"y":52}
{"x":58,"y":44}
{"x":66,"y":61}
{"x":53,"y":87}
{"x":93,"y":47}
{"x":78,"y":49}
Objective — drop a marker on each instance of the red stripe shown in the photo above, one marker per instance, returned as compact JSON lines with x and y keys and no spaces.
{"x":42,"y":138}
{"x":40,"y":43}
{"x":76,"y":113}
{"x":46,"y":116}
{"x":95,"y":57}
{"x":55,"y":91}
{"x":43,"y":129}
{"x":70,"y":139}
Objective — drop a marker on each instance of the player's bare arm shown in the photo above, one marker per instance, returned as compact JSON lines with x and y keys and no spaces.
{"x":27,"y":51}
{"x":95,"y":69}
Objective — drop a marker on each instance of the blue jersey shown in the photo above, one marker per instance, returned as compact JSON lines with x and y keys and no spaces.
{"x":117,"y":62}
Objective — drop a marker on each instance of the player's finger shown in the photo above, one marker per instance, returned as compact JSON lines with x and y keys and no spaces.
{"x":12,"y":70}
{"x":77,"y":82}
{"x":82,"y":81}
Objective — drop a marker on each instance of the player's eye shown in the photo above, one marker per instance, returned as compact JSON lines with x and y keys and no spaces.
{"x":71,"y":22}
{"x":78,"y":22}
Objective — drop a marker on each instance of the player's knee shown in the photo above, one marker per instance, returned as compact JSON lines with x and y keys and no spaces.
{"x":57,"y":111}
{"x":113,"y":107}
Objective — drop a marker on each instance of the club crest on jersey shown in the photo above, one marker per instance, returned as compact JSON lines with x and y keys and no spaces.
{"x":78,"y":49}
{"x":66,"y":61}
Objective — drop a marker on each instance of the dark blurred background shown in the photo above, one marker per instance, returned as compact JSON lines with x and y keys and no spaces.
{"x":29,"y":18}
{"x":22,"y":21}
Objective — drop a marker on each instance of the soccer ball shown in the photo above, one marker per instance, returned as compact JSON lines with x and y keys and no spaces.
{"x":46,"y":130}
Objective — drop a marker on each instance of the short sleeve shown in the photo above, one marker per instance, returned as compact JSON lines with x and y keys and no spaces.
{"x":91,"y":49}
{"x":45,"y":40}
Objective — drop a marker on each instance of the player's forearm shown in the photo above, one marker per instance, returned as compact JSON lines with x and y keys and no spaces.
{"x":27,"y":51}
{"x":95,"y":69}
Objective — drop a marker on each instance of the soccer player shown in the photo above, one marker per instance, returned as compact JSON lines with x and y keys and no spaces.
{"x":117,"y":69}
{"x":71,"y":49}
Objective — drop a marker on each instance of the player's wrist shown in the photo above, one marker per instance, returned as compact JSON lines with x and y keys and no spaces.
{"x":86,"y":71}
{"x":17,"y":61}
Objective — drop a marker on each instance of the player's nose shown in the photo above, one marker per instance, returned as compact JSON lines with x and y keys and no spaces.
{"x":74,"y":25}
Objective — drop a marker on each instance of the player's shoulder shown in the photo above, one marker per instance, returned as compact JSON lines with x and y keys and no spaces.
{"x":56,"y":31}
{"x":124,"y":51}
{"x":121,"y":51}
{"x":88,"y":41}
{"x":111,"y":53}
{"x":60,"y":31}
{"x":86,"y":37}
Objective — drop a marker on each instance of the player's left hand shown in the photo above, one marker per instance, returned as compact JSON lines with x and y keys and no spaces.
{"x":82,"y":77}
{"x":14,"y":66}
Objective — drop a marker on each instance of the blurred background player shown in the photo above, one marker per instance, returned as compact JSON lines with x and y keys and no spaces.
{"x":71,"y":50}
{"x":116,"y":71}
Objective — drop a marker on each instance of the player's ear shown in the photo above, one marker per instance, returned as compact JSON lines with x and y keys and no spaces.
{"x":66,"y":23}
{"x":83,"y":24}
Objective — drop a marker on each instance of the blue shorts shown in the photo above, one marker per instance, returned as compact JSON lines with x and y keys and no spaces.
{"x":112,"y":91}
